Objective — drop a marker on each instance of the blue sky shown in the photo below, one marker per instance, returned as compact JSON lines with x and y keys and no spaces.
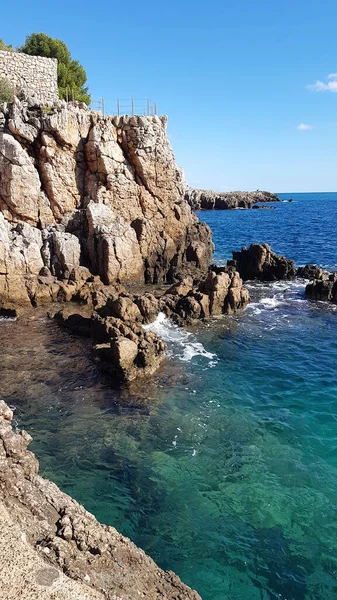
{"x":232,"y":76}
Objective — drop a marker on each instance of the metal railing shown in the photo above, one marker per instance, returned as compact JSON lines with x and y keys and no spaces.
{"x":123,"y":106}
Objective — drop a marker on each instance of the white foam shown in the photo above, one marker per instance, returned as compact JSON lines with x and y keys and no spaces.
{"x":272,"y":302}
{"x":181,"y":343}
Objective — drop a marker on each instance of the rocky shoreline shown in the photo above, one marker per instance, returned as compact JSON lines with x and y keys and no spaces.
{"x":209,"y":199}
{"x":96,"y":225}
{"x":51,"y":547}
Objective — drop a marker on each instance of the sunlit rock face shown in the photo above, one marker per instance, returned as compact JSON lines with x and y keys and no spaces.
{"x":113,"y":183}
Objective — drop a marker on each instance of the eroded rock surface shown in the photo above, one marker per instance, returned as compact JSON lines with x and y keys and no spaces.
{"x":53,"y":548}
{"x":97,"y":192}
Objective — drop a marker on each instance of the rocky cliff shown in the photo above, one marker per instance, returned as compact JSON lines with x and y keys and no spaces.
{"x":208,"y":199}
{"x":82,"y":194}
{"x":51,"y":547}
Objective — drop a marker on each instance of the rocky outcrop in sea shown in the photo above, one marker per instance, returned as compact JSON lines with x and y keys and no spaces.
{"x":114,"y":318}
{"x":323,"y":287}
{"x":260,"y":262}
{"x":208,"y":199}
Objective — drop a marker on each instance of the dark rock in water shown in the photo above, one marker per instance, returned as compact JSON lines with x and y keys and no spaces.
{"x":48,"y":537}
{"x":75,"y":322}
{"x":208,"y":199}
{"x":260,"y":262}
{"x":263,"y":207}
{"x":309,"y":272}
{"x":324,"y":288}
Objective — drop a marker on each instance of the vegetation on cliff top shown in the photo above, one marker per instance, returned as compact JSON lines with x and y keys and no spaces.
{"x":4,"y":46}
{"x":71,"y":74}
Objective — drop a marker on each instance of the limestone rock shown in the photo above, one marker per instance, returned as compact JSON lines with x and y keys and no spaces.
{"x":19,"y":182}
{"x":113,"y":183}
{"x":148,"y":306}
{"x":61,"y":176}
{"x":66,"y":254}
{"x":220,"y":293}
{"x":113,"y":247}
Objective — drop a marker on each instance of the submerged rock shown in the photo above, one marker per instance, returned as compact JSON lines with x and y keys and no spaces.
{"x":52,"y":547}
{"x":260,"y":262}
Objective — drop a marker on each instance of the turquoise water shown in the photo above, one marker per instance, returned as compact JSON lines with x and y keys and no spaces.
{"x":224,"y":466}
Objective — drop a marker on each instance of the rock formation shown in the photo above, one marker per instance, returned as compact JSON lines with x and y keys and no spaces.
{"x":51,"y":547}
{"x":310,"y":272}
{"x":220,"y":293}
{"x":81,"y":190}
{"x":114,"y":317}
{"x":322,"y":287}
{"x":208,"y":199}
{"x":260,"y":262}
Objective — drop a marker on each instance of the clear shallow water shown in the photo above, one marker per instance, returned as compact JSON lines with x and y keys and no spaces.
{"x":224,"y":466}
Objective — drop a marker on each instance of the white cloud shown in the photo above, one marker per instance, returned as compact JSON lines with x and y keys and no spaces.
{"x":304,"y":127}
{"x":329,"y":86}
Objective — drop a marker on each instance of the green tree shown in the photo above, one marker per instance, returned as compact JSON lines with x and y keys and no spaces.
{"x":4,"y":46}
{"x":70,"y":73}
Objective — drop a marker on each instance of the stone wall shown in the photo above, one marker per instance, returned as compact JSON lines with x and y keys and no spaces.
{"x":36,"y":75}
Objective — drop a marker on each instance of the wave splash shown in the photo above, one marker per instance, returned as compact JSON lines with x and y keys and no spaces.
{"x":181,"y":344}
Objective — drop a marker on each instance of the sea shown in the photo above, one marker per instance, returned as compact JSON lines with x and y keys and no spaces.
{"x":223,"y":466}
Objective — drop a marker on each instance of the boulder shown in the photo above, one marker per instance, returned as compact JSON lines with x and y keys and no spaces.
{"x":260,"y":262}
{"x":220,"y":293}
{"x":323,"y":289}
{"x":126,"y":350}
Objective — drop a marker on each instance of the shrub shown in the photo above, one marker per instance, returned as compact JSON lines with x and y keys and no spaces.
{"x":4,"y":46}
{"x":6,"y":91}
